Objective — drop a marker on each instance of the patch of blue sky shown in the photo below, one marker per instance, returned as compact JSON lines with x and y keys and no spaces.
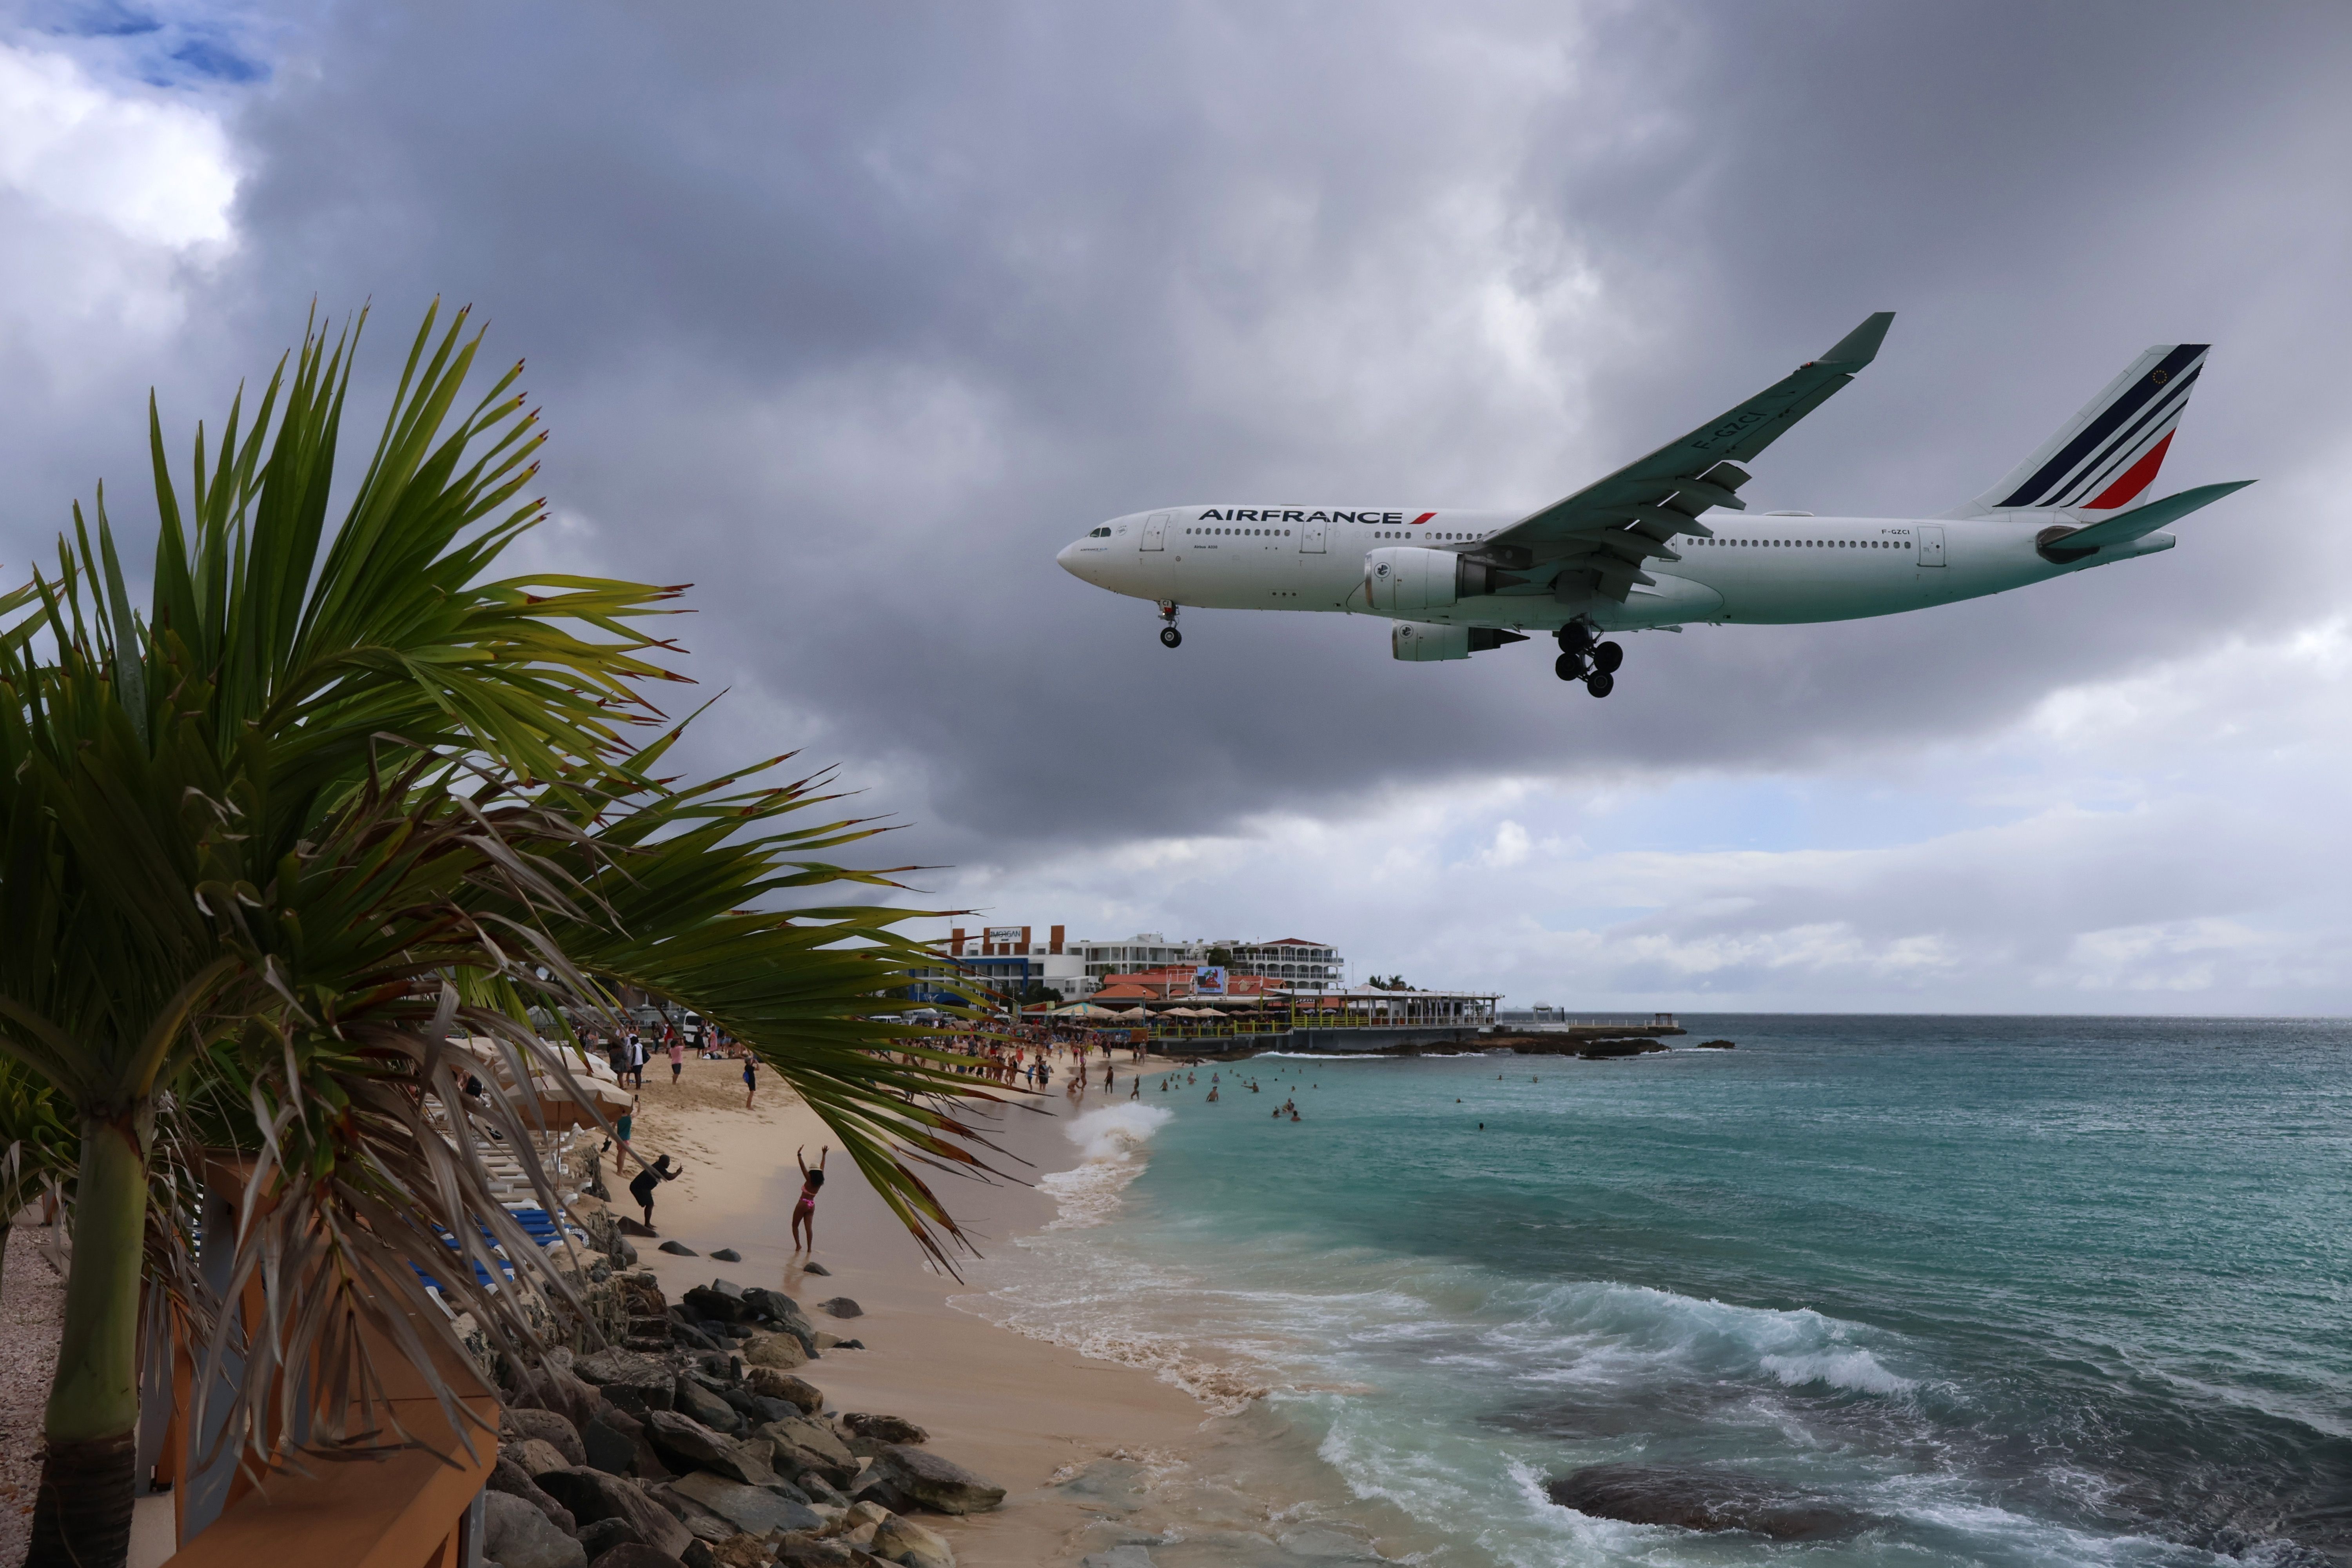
{"x":169,"y":44}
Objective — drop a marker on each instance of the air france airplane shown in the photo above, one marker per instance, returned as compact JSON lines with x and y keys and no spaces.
{"x":1658,"y":545}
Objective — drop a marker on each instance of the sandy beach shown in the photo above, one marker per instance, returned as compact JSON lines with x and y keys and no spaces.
{"x":1018,"y":1410}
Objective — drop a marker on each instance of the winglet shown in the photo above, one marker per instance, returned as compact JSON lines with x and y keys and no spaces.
{"x":1860,"y":346}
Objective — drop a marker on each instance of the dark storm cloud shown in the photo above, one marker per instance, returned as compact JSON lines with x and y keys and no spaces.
{"x":851,"y":316}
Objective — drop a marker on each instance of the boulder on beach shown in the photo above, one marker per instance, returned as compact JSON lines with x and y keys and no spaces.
{"x":782,"y":1351}
{"x":633,"y":1382}
{"x":537,"y":1457}
{"x":800,"y":1446}
{"x":547,"y":1426}
{"x":770,"y":1383}
{"x":689,"y":1398}
{"x":886,"y":1428}
{"x":593,"y":1495}
{"x":728,"y":1254}
{"x":677,"y":1249}
{"x":685,"y":1444}
{"x":637,"y":1554}
{"x":753,"y":1510}
{"x":508,"y":1478}
{"x":606,"y":1534}
{"x":516,"y":1535}
{"x":1693,"y":1498}
{"x":841,"y":1307}
{"x":628,"y":1227}
{"x":816,"y":1269}
{"x":936,"y":1483}
{"x":900,"y":1540}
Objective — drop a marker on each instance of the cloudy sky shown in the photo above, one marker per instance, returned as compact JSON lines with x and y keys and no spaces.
{"x":853,"y":315}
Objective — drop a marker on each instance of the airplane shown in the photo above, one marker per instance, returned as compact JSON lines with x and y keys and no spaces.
{"x":1659,"y":545}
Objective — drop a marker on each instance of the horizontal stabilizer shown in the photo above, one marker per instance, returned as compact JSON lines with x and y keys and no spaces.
{"x":2125,"y":527}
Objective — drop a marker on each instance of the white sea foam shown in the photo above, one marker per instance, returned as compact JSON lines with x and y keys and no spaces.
{"x":1110,"y":1145}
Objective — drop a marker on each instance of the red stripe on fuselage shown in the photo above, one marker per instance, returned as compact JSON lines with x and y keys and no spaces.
{"x":2136,"y":478}
{"x":1425,"y":517}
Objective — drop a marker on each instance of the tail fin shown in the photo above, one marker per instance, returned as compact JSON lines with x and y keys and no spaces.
{"x":2107,"y":454}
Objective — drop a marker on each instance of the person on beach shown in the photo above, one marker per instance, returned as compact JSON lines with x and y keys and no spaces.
{"x":750,"y":1079}
{"x":653,"y":1177}
{"x":636,"y":1060}
{"x":804,"y":1211}
{"x":621,"y":1137}
{"x":677,"y":1060}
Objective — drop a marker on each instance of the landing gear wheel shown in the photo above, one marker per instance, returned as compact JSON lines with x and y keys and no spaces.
{"x":1600,"y":683}
{"x":1575,"y":638}
{"x":1171,"y":638}
{"x":1568,"y":667}
{"x":1607,"y":657}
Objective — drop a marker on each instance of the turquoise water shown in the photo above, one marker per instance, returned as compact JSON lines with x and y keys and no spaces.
{"x":2004,"y":1291}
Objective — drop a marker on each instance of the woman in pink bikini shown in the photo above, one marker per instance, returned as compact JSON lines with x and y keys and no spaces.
{"x":804,"y":1211}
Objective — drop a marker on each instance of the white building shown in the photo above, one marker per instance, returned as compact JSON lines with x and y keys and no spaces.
{"x":1286,"y":961}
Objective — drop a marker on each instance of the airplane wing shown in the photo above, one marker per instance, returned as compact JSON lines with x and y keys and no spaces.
{"x":2074,"y":544}
{"x":1615,"y":525}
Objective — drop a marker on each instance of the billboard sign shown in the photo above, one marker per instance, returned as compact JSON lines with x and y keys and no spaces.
{"x":1209,"y":980}
{"x":1008,"y":936}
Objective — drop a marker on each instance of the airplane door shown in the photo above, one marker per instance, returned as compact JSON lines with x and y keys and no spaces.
{"x":1310,"y":536}
{"x":1931,"y":546}
{"x":1155,"y":532}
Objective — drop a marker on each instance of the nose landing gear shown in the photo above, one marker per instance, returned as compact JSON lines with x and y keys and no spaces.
{"x":1169,"y":635}
{"x":1583,"y":657}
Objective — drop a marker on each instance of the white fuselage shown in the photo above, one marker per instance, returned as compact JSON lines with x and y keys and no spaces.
{"x":1757,"y":568}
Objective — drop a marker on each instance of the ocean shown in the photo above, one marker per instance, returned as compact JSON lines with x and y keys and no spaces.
{"x":1867,"y":1290}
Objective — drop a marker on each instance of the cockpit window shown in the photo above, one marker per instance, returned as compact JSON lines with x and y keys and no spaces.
{"x":1102,"y":532}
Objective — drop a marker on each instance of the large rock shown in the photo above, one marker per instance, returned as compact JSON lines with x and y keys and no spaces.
{"x":510,"y":1479}
{"x":606,"y":1534}
{"x":936,"y":1483}
{"x":551,"y":1427}
{"x":887,"y":1428}
{"x":591,"y":1495}
{"x":900,"y":1540}
{"x":753,"y":1510}
{"x":684,"y":1443}
{"x":782,"y":1352}
{"x":691,"y":1399}
{"x":772,"y":1383}
{"x":677,"y":1249}
{"x":637,"y":1554}
{"x":555,"y":1389}
{"x":1701,"y":1500}
{"x":717,"y":1302}
{"x":636,"y":1382}
{"x":536,"y":1458}
{"x":516,"y":1535}
{"x":800,"y":1445}
{"x":616,"y":1442}
{"x":841,"y":1307}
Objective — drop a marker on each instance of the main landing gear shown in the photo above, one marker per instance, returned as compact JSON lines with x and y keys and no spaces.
{"x":1582,"y":657}
{"x":1169,"y":635}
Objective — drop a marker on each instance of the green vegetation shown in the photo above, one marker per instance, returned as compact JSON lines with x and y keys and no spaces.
{"x":332,"y":800}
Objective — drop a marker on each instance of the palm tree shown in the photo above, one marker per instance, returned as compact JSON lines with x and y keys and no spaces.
{"x":36,"y":1146}
{"x":334,"y":795}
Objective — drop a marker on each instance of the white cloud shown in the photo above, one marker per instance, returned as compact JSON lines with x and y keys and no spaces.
{"x":156,"y":170}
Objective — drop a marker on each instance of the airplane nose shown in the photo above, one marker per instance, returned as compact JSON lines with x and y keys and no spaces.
{"x":1069,"y":560}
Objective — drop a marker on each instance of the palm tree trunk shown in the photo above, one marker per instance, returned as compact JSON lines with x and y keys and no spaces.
{"x":82,"y":1515}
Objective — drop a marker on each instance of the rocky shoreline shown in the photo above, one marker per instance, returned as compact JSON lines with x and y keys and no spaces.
{"x":692,"y":1440}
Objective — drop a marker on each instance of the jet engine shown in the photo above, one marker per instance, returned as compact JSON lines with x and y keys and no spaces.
{"x":1404,"y":578}
{"x":1417,"y":642}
